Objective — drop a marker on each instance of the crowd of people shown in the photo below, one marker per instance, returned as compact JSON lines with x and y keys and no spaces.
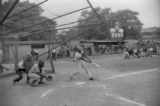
{"x":89,"y":50}
{"x":143,"y":51}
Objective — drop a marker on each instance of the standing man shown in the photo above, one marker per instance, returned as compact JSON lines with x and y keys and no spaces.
{"x":126,"y":54}
{"x":28,"y":63}
{"x":36,"y":54}
{"x":54,"y":54}
{"x":150,"y":51}
{"x":80,"y":60}
{"x":32,"y":52}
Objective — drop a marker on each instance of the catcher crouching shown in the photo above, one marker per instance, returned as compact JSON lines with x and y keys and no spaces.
{"x":36,"y":74}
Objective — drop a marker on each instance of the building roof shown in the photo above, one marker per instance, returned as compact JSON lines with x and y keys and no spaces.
{"x":30,"y":42}
{"x":149,"y":30}
{"x":99,"y":41}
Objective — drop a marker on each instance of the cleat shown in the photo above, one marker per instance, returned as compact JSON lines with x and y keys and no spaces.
{"x":40,"y":82}
{"x":91,"y":78}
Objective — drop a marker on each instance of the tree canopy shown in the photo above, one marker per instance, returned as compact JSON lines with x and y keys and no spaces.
{"x":28,"y":18}
{"x":127,"y":19}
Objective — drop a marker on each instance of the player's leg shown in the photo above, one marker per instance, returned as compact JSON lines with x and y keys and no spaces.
{"x":84,"y":66}
{"x":78,"y":66}
{"x":42,"y":76}
{"x":20,"y":76}
{"x":35,"y":78}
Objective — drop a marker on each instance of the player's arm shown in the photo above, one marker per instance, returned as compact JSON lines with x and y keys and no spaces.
{"x":85,"y":58}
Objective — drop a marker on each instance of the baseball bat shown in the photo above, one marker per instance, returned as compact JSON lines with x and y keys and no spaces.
{"x":95,"y":64}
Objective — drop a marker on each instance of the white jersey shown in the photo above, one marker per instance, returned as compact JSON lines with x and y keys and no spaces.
{"x":150,"y":49}
{"x":34,"y":69}
{"x":36,"y":50}
{"x":21,"y":64}
{"x":53,"y":51}
{"x":78,"y":55}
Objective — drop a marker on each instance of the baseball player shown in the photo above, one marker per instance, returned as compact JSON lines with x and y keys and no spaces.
{"x":80,"y":60}
{"x":20,"y":70}
{"x":36,"y":73}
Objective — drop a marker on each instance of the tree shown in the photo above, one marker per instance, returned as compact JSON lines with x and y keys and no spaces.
{"x":68,"y":34}
{"x":127,"y":19}
{"x":44,"y":26}
{"x":95,"y":32}
{"x":30,"y":17}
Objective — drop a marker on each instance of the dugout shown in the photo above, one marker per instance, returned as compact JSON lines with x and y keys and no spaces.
{"x":100,"y":45}
{"x":24,"y":48}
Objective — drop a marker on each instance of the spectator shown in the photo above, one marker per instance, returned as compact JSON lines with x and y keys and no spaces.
{"x":126,"y":53}
{"x":32,"y":52}
{"x":150,"y":51}
{"x":54,"y":54}
{"x":131,"y":53}
{"x":36,"y":54}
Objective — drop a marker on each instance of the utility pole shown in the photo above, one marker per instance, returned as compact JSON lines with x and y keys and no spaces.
{"x":16,"y":51}
{"x":1,"y":14}
{"x":1,"y":28}
{"x":4,"y":46}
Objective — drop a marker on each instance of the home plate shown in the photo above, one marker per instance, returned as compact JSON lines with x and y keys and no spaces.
{"x":80,"y":83}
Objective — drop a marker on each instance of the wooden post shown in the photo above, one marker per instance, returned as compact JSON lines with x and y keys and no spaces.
{"x":50,"y":55}
{"x":4,"y":47}
{"x":16,"y":52}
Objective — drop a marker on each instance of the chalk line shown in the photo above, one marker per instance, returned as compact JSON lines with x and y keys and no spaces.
{"x":131,"y":74}
{"x":47,"y":92}
{"x":116,"y":96}
{"x":125,"y":99}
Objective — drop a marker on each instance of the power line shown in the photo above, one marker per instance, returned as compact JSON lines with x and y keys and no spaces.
{"x":9,"y":11}
{"x":73,"y":22}
{"x":62,"y":43}
{"x":54,"y":14}
{"x":48,"y":30}
{"x":94,"y":11}
{"x":67,"y":23}
{"x":98,"y":16}
{"x":48,"y":20}
{"x":15,"y":27}
{"x":27,"y":9}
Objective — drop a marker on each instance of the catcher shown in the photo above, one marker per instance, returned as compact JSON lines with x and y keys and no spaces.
{"x":37,"y":75}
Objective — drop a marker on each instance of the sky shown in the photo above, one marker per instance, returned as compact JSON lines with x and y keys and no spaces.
{"x":149,"y":10}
